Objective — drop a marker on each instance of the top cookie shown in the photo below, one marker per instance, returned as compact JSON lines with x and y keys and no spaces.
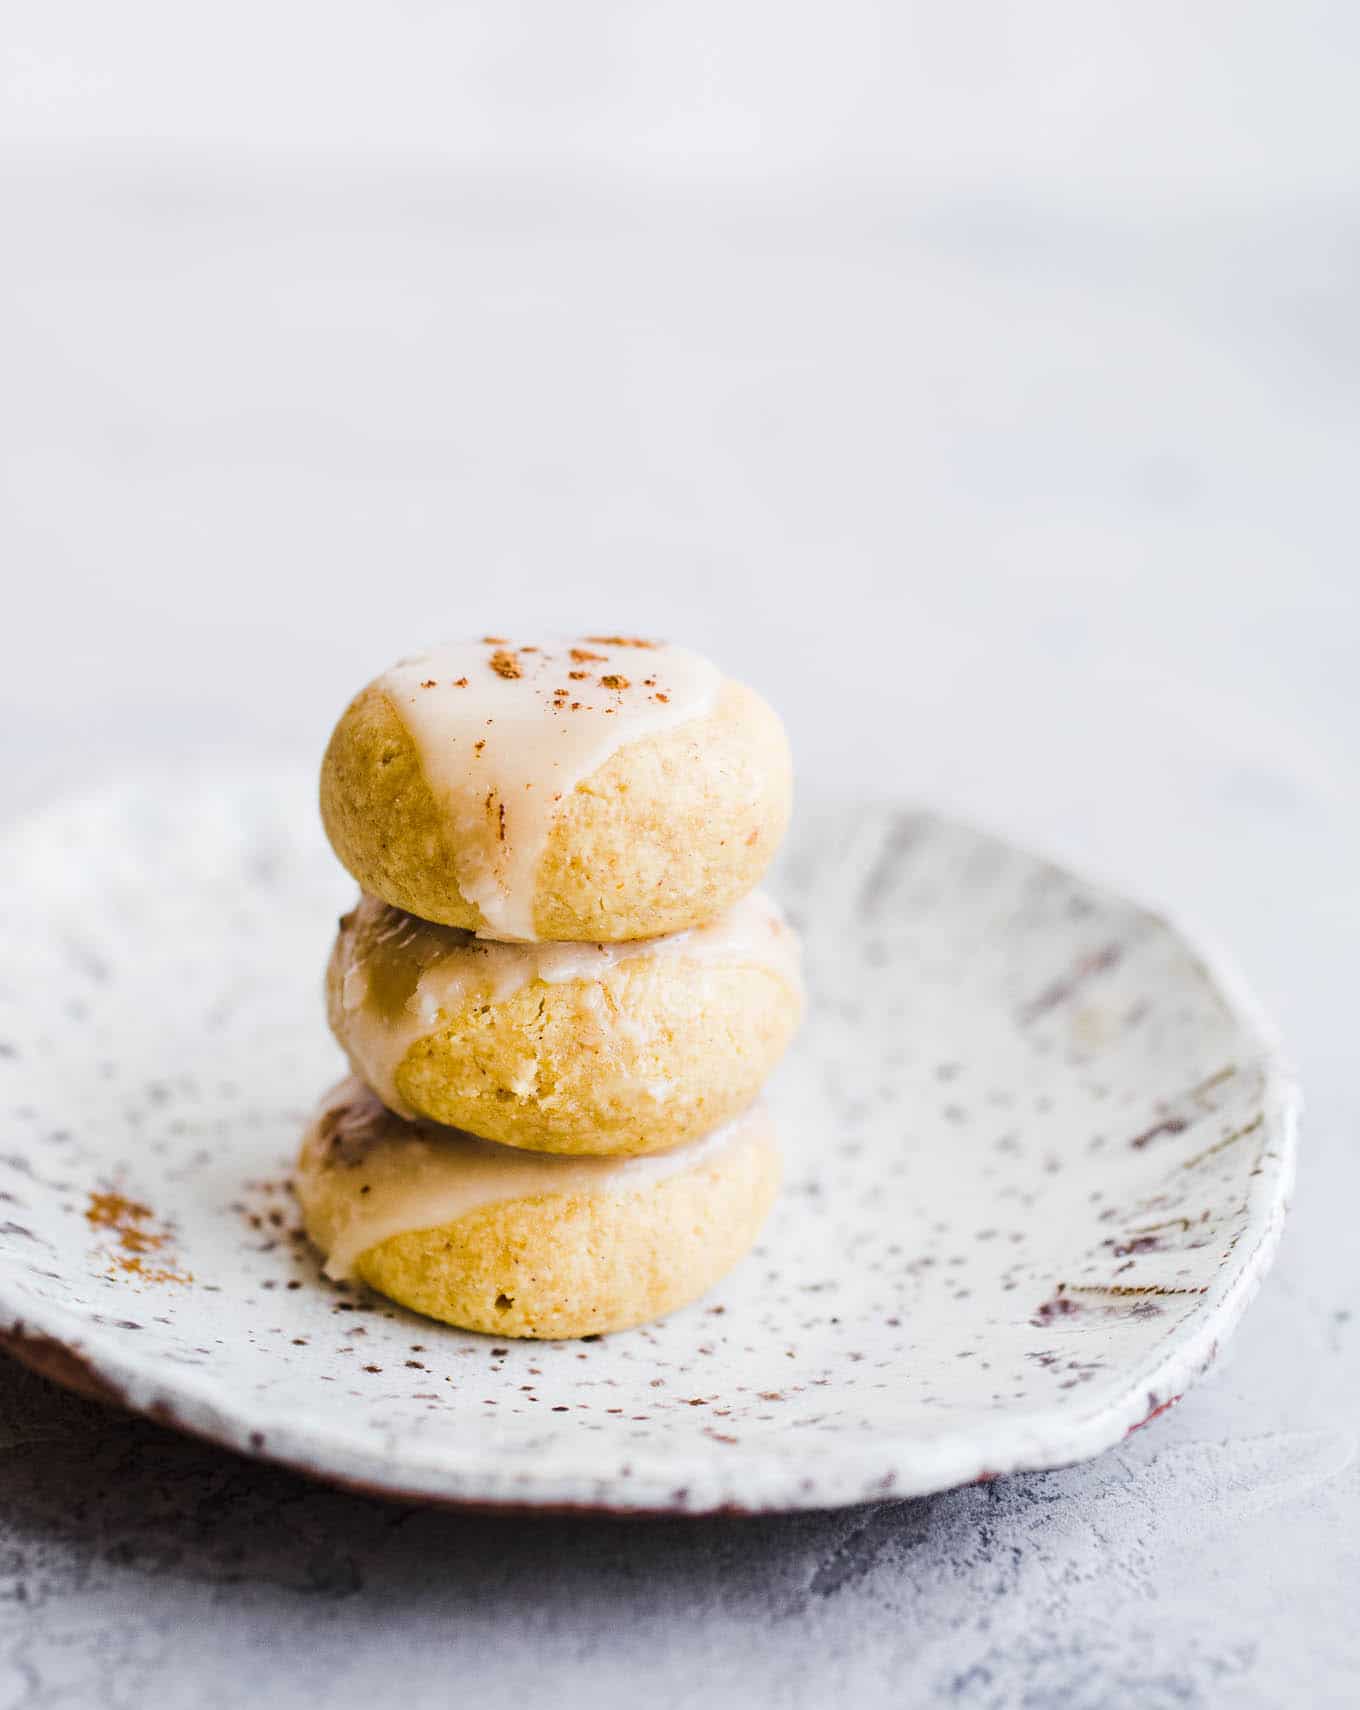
{"x":598,"y":789}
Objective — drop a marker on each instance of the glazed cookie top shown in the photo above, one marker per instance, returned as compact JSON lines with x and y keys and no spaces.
{"x":397,"y":974}
{"x":505,"y":730}
{"x":365,"y":1175}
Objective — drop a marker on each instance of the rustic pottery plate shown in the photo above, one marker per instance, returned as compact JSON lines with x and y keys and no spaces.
{"x":1038,"y":1155}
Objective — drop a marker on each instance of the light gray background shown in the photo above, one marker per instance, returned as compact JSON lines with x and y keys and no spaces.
{"x":979,"y":380}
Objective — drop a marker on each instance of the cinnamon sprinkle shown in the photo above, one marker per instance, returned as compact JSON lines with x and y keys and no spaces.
{"x":494,"y":641}
{"x":578,"y":676}
{"x":127,"y":1220}
{"x":151,"y":1273}
{"x":505,"y":664}
{"x":583,"y":656}
{"x":621,"y":641}
{"x":614,"y":681}
{"x":124,"y":1217}
{"x":460,"y":682}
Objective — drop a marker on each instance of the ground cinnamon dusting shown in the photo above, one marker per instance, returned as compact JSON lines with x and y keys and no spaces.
{"x":136,"y":1267}
{"x":460,"y":682}
{"x":578,"y":676}
{"x":125,"y":1217}
{"x":621,"y":641}
{"x":494,"y":641}
{"x":428,"y":683}
{"x":128,"y":1219}
{"x":614,"y":681}
{"x":583,"y":656}
{"x":505,"y":664}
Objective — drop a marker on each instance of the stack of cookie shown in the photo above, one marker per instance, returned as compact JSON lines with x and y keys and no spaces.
{"x":559,"y":992}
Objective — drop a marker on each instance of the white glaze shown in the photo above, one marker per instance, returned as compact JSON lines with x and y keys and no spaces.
{"x":501,"y":752}
{"x":436,"y":968}
{"x":418,"y":1175}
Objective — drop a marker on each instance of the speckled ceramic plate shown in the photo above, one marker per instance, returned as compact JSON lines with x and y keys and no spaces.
{"x":1038,"y":1158}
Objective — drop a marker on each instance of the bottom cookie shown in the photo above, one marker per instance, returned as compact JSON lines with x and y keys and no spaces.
{"x":519,"y":1243}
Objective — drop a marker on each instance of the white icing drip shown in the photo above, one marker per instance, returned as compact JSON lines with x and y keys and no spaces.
{"x":446,"y":966}
{"x":418,"y":1175}
{"x":536,"y":744}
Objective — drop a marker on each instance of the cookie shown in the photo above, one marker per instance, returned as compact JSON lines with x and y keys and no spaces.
{"x":619,"y":1048}
{"x":527,"y":1244}
{"x":602,"y":789}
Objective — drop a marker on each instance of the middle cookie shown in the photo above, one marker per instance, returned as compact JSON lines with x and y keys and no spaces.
{"x":603,"y":1048}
